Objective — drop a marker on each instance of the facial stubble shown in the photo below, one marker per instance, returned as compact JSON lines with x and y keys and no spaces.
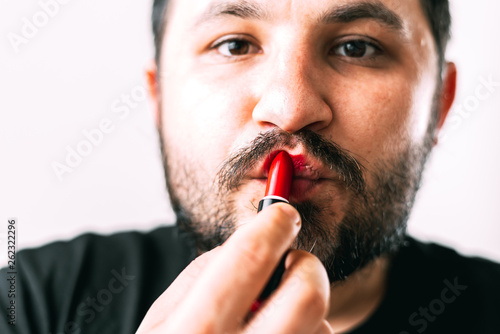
{"x":375,"y":217}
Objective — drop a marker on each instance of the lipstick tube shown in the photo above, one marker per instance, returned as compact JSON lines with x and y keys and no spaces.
{"x":278,"y":187}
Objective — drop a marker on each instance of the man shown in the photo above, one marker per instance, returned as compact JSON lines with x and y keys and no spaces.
{"x":356,"y":92}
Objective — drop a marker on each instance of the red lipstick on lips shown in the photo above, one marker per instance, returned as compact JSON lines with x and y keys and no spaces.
{"x":278,"y":187}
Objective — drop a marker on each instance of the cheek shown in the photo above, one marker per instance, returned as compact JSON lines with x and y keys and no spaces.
{"x":199,"y":121}
{"x":423,"y":102}
{"x":375,"y":116}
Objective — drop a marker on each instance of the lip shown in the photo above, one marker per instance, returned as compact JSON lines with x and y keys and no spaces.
{"x":304,"y":167}
{"x":301,"y":189}
{"x":309,"y":173}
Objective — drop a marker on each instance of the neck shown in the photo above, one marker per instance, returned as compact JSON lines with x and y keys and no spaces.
{"x":356,"y":298}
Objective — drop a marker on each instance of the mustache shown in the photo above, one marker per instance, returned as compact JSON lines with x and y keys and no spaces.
{"x":334,"y":157}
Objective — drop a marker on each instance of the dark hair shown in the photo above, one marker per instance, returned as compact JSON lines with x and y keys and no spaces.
{"x":436,"y":11}
{"x":158,"y":19}
{"x":439,"y":18}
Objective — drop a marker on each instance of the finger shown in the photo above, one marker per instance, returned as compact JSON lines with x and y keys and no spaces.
{"x":300,"y":303}
{"x":165,"y":305}
{"x":235,"y":277}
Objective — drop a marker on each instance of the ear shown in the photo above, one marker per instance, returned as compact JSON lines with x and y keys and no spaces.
{"x":447,"y":95}
{"x":154,"y":93}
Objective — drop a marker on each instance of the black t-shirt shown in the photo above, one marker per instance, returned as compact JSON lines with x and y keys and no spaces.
{"x":106,"y":284}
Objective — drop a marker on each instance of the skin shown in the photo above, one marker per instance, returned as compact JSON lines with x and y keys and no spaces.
{"x":294,"y":76}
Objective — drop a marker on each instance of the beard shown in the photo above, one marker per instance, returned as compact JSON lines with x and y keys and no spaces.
{"x":372,"y":222}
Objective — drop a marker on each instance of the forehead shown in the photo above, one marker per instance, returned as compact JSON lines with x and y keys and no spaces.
{"x":406,"y":15}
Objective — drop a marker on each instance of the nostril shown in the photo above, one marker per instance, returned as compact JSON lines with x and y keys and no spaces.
{"x":319,"y":125}
{"x":264,"y":125}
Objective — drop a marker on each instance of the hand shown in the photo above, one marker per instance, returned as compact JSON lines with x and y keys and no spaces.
{"x":215,"y":292}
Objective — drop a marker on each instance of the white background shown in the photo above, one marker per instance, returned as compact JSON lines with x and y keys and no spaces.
{"x":71,"y":74}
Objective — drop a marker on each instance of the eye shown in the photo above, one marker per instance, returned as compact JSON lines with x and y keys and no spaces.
{"x":356,"y":49}
{"x":236,"y":47}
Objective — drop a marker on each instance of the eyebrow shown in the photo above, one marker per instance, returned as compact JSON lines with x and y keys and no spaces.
{"x":363,"y":10}
{"x":242,"y":9}
{"x":345,"y":13}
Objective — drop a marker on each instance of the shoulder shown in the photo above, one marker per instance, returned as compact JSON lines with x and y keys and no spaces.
{"x":433,"y":289}
{"x":435,"y":258}
{"x":434,"y":266}
{"x":94,"y":280}
{"x":163,"y":252}
{"x":441,"y":288}
{"x":123,"y":246}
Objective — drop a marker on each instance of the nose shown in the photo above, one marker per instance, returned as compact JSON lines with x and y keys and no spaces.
{"x":293,"y":98}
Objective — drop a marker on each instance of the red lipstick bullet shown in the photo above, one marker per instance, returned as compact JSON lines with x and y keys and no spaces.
{"x":279,"y":181}
{"x":278,"y":187}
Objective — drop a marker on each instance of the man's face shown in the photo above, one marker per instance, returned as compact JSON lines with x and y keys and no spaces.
{"x":346,"y":87}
